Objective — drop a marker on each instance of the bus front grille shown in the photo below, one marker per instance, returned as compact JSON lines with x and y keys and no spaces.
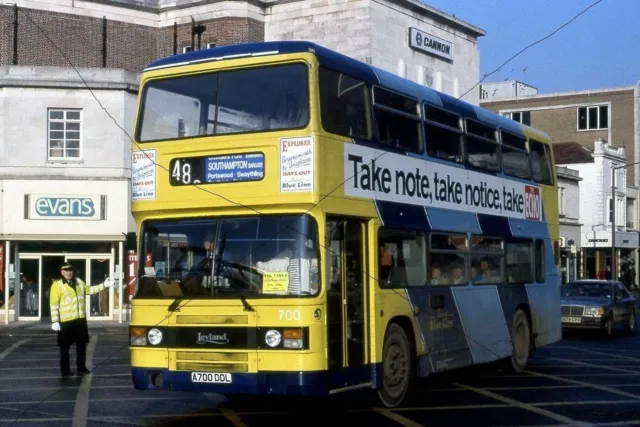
{"x":212,"y":320}
{"x":211,"y":367}
{"x":204,"y":361}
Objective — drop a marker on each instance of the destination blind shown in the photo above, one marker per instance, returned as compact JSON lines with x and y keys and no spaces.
{"x":217,"y":169}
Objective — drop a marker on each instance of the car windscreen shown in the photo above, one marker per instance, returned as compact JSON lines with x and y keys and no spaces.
{"x":587,"y":289}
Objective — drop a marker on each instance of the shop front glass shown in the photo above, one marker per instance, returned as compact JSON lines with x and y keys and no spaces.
{"x":93,"y":270}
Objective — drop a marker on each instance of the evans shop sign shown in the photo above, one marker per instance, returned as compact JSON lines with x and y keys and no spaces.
{"x":90,"y":207}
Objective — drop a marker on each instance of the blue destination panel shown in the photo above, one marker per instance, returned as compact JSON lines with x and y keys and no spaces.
{"x":217,"y":169}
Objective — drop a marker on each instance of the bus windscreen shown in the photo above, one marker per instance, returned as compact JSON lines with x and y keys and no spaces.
{"x":256,"y":257}
{"x":257,"y":99}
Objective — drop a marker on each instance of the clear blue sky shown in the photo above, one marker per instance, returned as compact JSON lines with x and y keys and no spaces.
{"x":599,"y":49}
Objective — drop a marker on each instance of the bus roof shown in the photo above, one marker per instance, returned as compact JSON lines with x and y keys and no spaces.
{"x":339,"y":62}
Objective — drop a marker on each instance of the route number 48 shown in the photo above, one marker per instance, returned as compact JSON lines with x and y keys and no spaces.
{"x":289,"y":314}
{"x":181,"y":172}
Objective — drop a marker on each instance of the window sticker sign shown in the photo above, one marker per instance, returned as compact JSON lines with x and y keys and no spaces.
{"x":143,"y":175}
{"x":296,"y":164}
{"x":275,"y":283}
{"x":382,"y":175}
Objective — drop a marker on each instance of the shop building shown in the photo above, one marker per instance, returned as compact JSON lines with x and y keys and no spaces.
{"x":596,"y":213}
{"x":569,"y":212}
{"x":406,"y":37}
{"x":64,"y":185}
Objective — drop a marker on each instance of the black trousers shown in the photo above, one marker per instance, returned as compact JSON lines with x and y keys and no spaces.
{"x":73,"y":332}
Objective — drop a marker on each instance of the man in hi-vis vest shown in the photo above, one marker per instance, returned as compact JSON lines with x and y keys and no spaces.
{"x":68,"y":316}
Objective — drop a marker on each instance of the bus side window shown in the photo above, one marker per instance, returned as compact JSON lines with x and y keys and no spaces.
{"x":402,"y":258}
{"x":515,"y":157}
{"x":448,"y":258}
{"x":443,"y":134}
{"x":487,"y":260}
{"x":398,"y":122}
{"x":540,"y":162}
{"x":344,"y":105}
{"x":520,"y":262}
{"x":540,"y":265}
{"x":482,"y":146}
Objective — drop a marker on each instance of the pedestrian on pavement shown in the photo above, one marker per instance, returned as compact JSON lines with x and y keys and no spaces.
{"x":68,"y":316}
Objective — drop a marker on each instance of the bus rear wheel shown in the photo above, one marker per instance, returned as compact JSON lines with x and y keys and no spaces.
{"x":521,"y":341}
{"x":396,"y":366}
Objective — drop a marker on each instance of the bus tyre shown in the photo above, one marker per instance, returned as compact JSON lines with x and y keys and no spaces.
{"x":521,"y":341}
{"x":396,"y":366}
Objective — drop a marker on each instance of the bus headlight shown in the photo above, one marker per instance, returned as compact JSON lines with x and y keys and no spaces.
{"x":154,"y":336}
{"x":273,"y":338}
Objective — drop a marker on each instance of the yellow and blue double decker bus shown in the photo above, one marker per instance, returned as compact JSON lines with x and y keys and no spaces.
{"x":310,"y":224}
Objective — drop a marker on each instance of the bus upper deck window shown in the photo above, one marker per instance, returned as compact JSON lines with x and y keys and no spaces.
{"x":397,"y":120}
{"x":540,"y":162}
{"x":344,"y":104}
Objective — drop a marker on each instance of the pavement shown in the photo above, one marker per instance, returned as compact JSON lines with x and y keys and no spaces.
{"x":583,"y":380}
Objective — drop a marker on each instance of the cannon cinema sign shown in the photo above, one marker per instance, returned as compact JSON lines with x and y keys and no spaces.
{"x":425,"y":42}
{"x":57,"y":207}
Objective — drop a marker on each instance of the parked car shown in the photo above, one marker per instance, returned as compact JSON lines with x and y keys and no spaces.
{"x":598,"y":304}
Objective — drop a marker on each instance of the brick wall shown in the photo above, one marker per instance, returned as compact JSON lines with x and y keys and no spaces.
{"x":129,"y":46}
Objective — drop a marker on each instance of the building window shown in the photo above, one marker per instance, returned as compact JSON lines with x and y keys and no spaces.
{"x":523,"y":117}
{"x":593,"y":118}
{"x":561,"y":201}
{"x":211,"y":45}
{"x":630,"y":214}
{"x":64,"y":134}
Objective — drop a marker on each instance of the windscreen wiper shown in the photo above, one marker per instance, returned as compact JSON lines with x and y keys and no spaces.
{"x":247,"y":306}
{"x":174,"y":306}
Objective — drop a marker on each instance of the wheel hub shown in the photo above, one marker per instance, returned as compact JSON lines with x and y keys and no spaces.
{"x":395,"y":366}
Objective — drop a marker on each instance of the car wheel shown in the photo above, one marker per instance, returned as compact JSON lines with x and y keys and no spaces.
{"x":631,"y":325}
{"x":520,"y":342}
{"x":396,"y":366}
{"x":608,"y":327}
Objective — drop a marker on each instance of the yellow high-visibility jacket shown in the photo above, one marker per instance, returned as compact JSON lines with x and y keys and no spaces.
{"x":68,"y":303}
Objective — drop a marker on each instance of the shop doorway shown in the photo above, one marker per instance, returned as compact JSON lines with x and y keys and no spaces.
{"x":39,"y":271}
{"x":50,"y":273}
{"x":30,"y":288}
{"x":93,"y":270}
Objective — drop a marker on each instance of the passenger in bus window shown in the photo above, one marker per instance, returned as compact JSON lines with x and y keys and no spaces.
{"x":436,"y":276}
{"x":457,"y":273}
{"x":475,"y":274}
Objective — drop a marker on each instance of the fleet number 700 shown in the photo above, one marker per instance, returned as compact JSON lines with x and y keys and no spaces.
{"x":289,"y":314}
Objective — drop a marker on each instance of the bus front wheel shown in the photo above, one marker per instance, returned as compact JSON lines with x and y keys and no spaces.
{"x":521,"y":341}
{"x":396,"y":366}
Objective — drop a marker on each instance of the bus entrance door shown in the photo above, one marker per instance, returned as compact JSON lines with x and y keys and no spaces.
{"x":346,"y":300}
